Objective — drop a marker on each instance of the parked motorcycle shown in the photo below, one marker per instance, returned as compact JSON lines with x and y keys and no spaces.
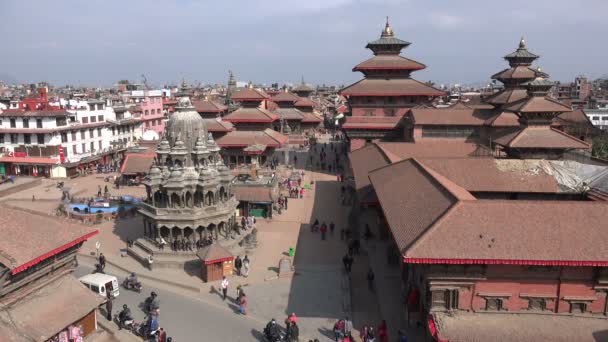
{"x":132,"y":286}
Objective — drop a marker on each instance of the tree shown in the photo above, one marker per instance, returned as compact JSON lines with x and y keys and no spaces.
{"x":600,"y":147}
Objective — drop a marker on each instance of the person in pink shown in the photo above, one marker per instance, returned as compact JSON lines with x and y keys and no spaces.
{"x":363,"y":334}
{"x":383,"y":332}
{"x":301,"y":192}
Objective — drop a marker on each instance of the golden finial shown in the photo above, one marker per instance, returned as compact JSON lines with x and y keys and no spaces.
{"x":250,"y":85}
{"x":522,"y":43}
{"x":538,"y":69}
{"x":387,"y":32}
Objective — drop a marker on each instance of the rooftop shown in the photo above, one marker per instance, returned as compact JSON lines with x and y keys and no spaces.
{"x":266,"y":137}
{"x":390,"y":87}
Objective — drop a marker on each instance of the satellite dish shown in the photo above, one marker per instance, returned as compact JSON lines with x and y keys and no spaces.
{"x":150,"y":135}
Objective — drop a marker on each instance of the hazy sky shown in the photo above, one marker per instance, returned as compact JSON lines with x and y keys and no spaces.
{"x":97,"y":42}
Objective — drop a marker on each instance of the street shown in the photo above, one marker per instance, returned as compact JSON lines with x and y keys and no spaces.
{"x":187,"y":319}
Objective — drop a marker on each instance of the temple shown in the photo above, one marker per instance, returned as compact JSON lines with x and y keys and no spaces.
{"x":380,"y":100}
{"x":188,"y":187}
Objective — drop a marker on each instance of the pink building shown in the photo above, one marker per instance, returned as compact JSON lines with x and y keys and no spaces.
{"x":151,"y":105}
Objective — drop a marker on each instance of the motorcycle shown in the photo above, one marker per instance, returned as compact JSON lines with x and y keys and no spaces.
{"x":128,"y":324}
{"x":98,"y":269}
{"x":143,"y":330}
{"x":132,"y":286}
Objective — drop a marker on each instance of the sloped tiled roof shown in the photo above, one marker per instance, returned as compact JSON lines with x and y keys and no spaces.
{"x":540,"y":137}
{"x":507,"y":96}
{"x":284,"y":96}
{"x":304,"y":102}
{"x":247,"y":114}
{"x":214,"y":253}
{"x":503,"y":119}
{"x":137,"y":163}
{"x":208,"y":106}
{"x":216,"y":125}
{"x":389,"y":62}
{"x":449,"y":116}
{"x":266,"y":137}
{"x":250,"y":94}
{"x":537,"y":104}
{"x":372,"y":122}
{"x":390,"y":87}
{"x":289,"y":113}
{"x":520,"y":72}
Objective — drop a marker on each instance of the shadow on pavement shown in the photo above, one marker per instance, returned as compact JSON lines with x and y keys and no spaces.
{"x":258,"y":335}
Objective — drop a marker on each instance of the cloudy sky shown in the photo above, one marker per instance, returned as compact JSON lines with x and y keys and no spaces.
{"x":97,"y":42}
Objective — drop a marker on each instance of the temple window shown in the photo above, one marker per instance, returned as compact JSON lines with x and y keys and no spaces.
{"x":577,"y":307}
{"x":537,"y":304}
{"x":493,"y":304}
{"x":444,"y":299}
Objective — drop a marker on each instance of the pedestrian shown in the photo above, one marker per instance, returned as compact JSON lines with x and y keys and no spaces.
{"x":332,"y":227}
{"x":382,"y":331}
{"x":246,"y":266}
{"x":102,"y":261}
{"x":224,"y":286}
{"x":293,"y":332}
{"x":345,"y":262}
{"x":99,"y":191}
{"x":162,"y":243}
{"x":370,"y":279}
{"x":109,"y":306}
{"x":150,"y":261}
{"x":356,"y":246}
{"x":323,"y":231}
{"x":348,"y":326}
{"x":363,"y":334}
{"x":285,"y":201}
{"x":105,"y":189}
{"x":371,"y":335}
{"x":238,"y":263}
{"x":301,"y":192}
{"x":338,"y":329}
{"x":402,"y":337}
{"x":350,"y":262}
{"x":342,"y":233}
{"x":295,"y":161}
{"x":243,"y":303}
{"x":162,"y":335}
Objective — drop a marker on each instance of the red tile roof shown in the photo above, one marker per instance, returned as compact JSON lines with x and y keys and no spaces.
{"x":576,"y":116}
{"x":267,"y":137}
{"x":290,"y":113}
{"x":216,"y":125}
{"x":250,"y":94}
{"x":30,"y":238}
{"x":537,"y":104}
{"x":397,"y":151}
{"x":390,"y":87}
{"x":503,"y":119}
{"x":304,"y":102}
{"x":507,"y":96}
{"x":208,"y":106}
{"x":520,"y":72}
{"x":311,"y":117}
{"x":137,"y":163}
{"x":540,"y":137}
{"x":247,"y":114}
{"x":389,"y":62}
{"x":34,"y":113}
{"x":47,"y":311}
{"x":448,"y":116}
{"x":371,"y":122}
{"x":362,"y":162}
{"x":518,"y":327}
{"x":285,"y":97}
{"x":512,"y":231}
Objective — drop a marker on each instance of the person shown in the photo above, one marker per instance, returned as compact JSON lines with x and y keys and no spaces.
{"x":348,"y":326}
{"x":370,"y":279}
{"x":338,"y":329}
{"x":292,"y":318}
{"x":109,"y":306}
{"x":163,"y":242}
{"x":162,"y":335}
{"x":383,"y":332}
{"x":132,"y":279}
{"x":285,"y":201}
{"x":356,"y":246}
{"x":345,"y":262}
{"x":123,"y":316}
{"x":363,"y":334}
{"x":368,"y":232}
{"x":371,"y":335}
{"x":301,"y":192}
{"x":150,"y":261}
{"x":99,"y":191}
{"x":323,"y":230}
{"x":342,"y":233}
{"x":238,"y":264}
{"x":224,"y":286}
{"x":105,"y":189}
{"x":102,"y":261}
{"x":293,"y":332}
{"x":332,"y":227}
{"x":271,"y":331}
{"x":402,"y":337}
{"x":314,"y":226}
{"x":246,"y":266}
{"x":243,"y":303}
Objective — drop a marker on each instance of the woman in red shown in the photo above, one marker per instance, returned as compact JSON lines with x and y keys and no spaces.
{"x":382,"y":332}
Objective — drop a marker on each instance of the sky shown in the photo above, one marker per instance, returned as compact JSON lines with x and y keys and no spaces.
{"x":98,"y":42}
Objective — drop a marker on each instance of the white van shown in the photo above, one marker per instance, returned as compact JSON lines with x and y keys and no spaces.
{"x":101,"y":284}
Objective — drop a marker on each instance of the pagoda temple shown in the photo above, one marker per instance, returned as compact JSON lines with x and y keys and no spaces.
{"x":525,"y":95}
{"x":379,"y":101}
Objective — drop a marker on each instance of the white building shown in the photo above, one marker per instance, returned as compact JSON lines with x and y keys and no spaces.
{"x":598,"y":117}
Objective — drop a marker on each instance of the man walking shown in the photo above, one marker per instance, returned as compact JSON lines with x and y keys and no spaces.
{"x":224,"y":286}
{"x":246,"y":266}
{"x":102,"y":261}
{"x":109,"y":306}
{"x":99,"y":191}
{"x":285,"y":201}
{"x":238,"y":263}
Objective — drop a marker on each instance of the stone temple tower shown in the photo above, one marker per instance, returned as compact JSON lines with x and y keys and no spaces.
{"x":188,"y":187}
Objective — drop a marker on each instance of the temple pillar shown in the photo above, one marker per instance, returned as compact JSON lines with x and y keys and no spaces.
{"x":157,"y":230}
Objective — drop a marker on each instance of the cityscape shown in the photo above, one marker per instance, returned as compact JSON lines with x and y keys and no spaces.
{"x":337,"y":193}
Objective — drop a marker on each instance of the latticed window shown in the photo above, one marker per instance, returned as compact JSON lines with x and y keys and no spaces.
{"x":537,"y":304}
{"x":493,"y":304}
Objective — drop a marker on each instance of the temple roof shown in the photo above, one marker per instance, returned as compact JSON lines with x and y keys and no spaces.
{"x":537,"y":104}
{"x":507,"y":96}
{"x":389,"y":62}
{"x":448,"y":116}
{"x":311,"y":117}
{"x":290,"y":113}
{"x":520,"y":72}
{"x":250,"y":94}
{"x":543,"y":137}
{"x":208,"y":106}
{"x":285,"y":97}
{"x":503,"y":119}
{"x":266,"y":137}
{"x":521,"y":52}
{"x":372,"y":122}
{"x":304,"y":102}
{"x":217,"y":125}
{"x":387,"y":43}
{"x":390,"y":87}
{"x":251,"y":115}
{"x":214,"y":253}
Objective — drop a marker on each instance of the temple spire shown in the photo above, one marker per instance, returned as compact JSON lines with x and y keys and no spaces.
{"x":522,"y":43}
{"x":388,"y":31}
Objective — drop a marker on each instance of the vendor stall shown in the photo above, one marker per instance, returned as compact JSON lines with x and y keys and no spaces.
{"x":216,"y":262}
